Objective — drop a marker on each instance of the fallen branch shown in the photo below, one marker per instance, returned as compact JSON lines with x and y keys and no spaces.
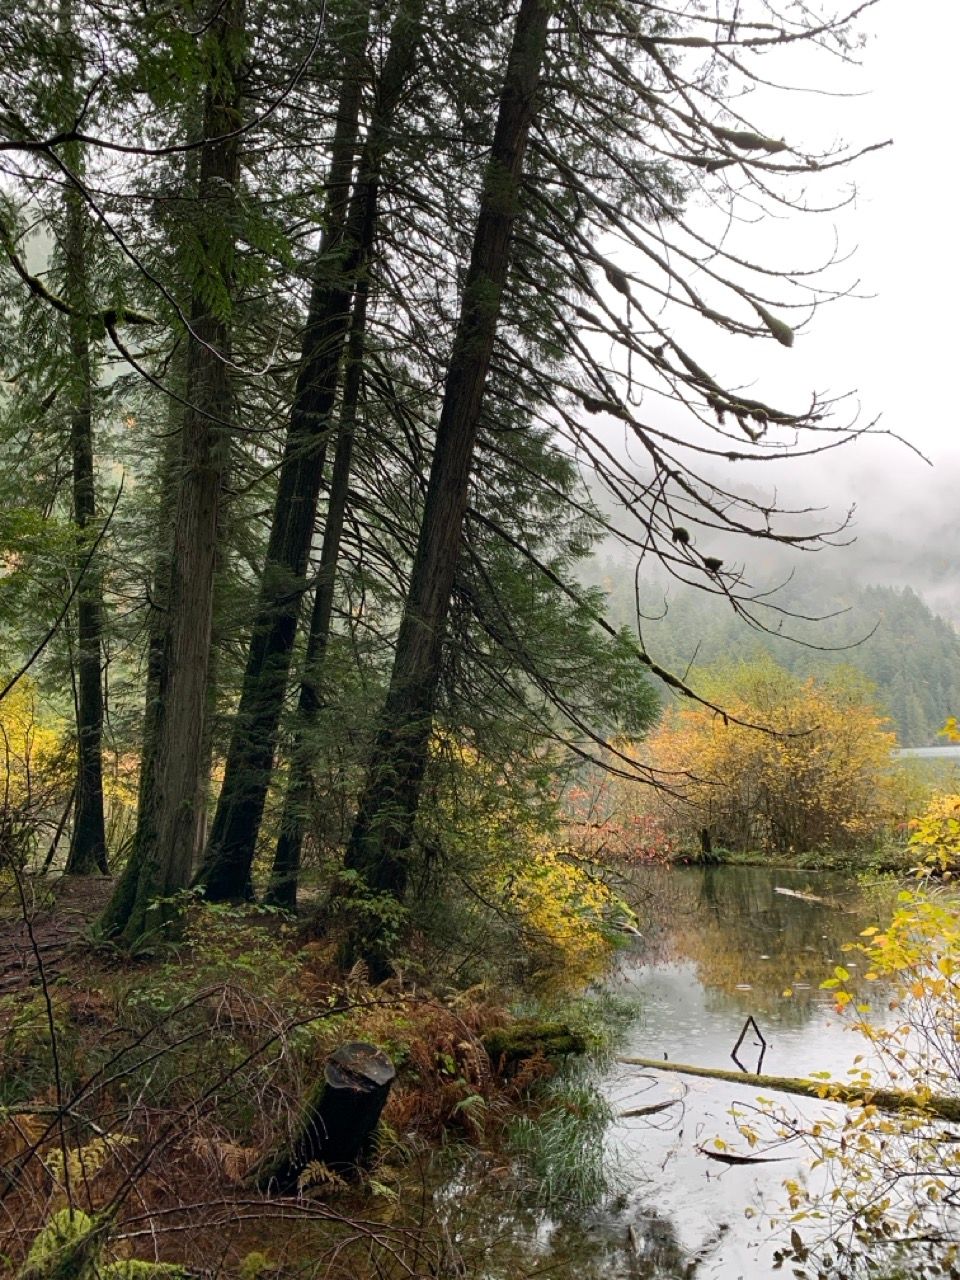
{"x":651,"y":1110}
{"x":938,"y":1106}
{"x":811,"y":897}
{"x":750,"y":1022}
{"x":730,"y":1157}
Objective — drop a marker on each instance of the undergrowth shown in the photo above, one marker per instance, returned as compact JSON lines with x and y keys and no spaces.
{"x":142,"y":1094}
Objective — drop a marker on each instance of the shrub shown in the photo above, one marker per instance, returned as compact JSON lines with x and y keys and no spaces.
{"x":936,"y":834}
{"x":810,"y":775}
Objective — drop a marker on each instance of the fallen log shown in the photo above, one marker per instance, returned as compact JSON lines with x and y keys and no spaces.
{"x":338,"y":1123}
{"x":812,"y":897}
{"x":937,"y":1106}
{"x":527,"y":1038}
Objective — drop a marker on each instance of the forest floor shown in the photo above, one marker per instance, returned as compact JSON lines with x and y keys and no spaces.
{"x":158,"y":1082}
{"x":39,"y":929}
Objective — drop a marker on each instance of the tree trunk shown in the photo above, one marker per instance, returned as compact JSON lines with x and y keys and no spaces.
{"x":381,"y":837}
{"x":159,"y":594}
{"x":120,"y":906}
{"x":55,"y":842}
{"x":161,"y":863}
{"x":88,"y":843}
{"x":225,"y":873}
{"x":282,"y":890}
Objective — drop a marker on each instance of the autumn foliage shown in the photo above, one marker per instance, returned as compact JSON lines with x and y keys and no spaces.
{"x":33,"y":772}
{"x":935,"y":835}
{"x":812,"y":775}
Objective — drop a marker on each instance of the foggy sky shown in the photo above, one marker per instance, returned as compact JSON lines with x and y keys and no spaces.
{"x":894,"y":344}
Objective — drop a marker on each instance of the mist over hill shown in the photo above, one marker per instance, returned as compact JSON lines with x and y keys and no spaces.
{"x":815,"y":620}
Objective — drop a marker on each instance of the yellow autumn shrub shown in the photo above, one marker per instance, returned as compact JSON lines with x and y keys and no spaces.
{"x":892,"y":1176}
{"x":795,"y":764}
{"x":505,"y":839}
{"x":561,"y":908}
{"x":34,"y":770}
{"x":936,"y":834}
{"x":30,"y":744}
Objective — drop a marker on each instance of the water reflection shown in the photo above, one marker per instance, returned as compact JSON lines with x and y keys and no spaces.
{"x":719,"y":944}
{"x":747,"y":943}
{"x":622,"y":1239}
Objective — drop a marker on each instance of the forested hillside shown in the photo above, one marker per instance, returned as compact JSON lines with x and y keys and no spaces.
{"x":910,"y":654}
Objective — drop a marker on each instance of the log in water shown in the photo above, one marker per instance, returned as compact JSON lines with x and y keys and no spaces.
{"x":937,"y":1106}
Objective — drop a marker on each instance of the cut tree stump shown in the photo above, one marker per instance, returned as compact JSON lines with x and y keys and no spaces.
{"x":338,"y":1124}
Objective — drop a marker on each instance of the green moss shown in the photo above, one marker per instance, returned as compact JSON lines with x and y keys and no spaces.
{"x":67,"y":1248}
{"x":529,"y":1037}
{"x":256,"y":1265}
{"x":70,"y":1247}
{"x":942,"y":1106}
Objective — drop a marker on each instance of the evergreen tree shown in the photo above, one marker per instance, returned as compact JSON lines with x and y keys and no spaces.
{"x":171,"y":791}
{"x":225,"y":872}
{"x":304,"y":253}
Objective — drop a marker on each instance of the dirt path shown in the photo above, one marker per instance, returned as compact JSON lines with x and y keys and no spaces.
{"x":57,"y":911}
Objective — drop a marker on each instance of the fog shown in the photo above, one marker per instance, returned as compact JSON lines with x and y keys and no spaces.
{"x":891,"y":342}
{"x":898,"y":347}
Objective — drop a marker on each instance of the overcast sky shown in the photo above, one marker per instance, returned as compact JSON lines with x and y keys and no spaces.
{"x":896,"y":348}
{"x":899,"y":348}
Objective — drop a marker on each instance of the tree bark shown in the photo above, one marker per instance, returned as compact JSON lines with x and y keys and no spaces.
{"x":380,"y":841}
{"x":338,"y":1124}
{"x":88,"y":842}
{"x":159,"y":592}
{"x":225,"y":873}
{"x":161,"y":862}
{"x":58,"y":833}
{"x":284,"y":876}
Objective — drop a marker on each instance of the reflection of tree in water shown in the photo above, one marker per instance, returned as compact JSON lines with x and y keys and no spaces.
{"x":492,"y":1229}
{"x":635,"y":1242}
{"x":738,"y":931}
{"x":654,"y":1250}
{"x":615,"y":1244}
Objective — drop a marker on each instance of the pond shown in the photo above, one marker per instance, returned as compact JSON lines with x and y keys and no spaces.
{"x":719,"y":945}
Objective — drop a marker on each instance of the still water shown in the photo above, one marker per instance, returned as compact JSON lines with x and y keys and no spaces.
{"x":719,"y":945}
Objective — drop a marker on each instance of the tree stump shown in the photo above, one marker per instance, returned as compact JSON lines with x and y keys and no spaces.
{"x":339,"y":1120}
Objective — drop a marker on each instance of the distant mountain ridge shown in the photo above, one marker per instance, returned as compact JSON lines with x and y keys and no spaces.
{"x":889,"y":633}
